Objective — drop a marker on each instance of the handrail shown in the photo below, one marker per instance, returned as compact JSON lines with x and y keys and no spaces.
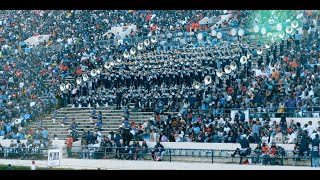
{"x":132,"y":153}
{"x":288,"y":111}
{"x":23,"y":153}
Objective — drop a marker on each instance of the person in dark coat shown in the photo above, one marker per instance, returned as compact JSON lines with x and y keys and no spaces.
{"x":244,"y":148}
{"x":304,"y":146}
{"x":315,"y":151}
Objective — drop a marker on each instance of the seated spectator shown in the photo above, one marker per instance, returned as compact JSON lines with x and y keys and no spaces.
{"x":256,"y":158}
{"x":144,"y":150}
{"x":158,"y":152}
{"x":74,"y":124}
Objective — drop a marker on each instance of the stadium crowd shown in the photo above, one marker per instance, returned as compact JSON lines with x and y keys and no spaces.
{"x":30,"y":80}
{"x":161,"y":77}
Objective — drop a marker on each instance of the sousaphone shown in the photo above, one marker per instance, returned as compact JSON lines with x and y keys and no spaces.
{"x":219,"y":72}
{"x":207,"y":80}
{"x":243,"y":60}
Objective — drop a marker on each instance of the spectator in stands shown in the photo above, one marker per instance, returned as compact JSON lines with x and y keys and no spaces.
{"x":119,"y":144}
{"x":45,"y":135}
{"x":304,"y":145}
{"x":74,"y":124}
{"x":257,"y":154}
{"x":99,"y":117}
{"x":273,"y":153}
{"x":315,"y":151}
{"x":154,"y":136}
{"x":74,"y":134}
{"x":144,"y":150}
{"x":244,"y":148}
{"x":69,"y":143}
{"x":158,"y":152}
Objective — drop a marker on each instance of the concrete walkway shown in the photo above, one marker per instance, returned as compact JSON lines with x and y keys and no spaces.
{"x":149,"y":165}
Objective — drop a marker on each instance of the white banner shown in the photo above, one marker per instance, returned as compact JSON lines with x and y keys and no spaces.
{"x":54,"y":157}
{"x":123,"y":30}
{"x":246,"y":112}
{"x":36,"y":40}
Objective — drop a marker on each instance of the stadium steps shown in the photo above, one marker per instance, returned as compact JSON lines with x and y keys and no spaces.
{"x":111,"y":119}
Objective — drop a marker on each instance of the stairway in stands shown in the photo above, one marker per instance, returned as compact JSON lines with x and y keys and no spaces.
{"x":111,"y":119}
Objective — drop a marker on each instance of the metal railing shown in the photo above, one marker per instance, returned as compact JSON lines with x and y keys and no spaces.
{"x":312,"y":111}
{"x":278,"y":157}
{"x":23,"y":153}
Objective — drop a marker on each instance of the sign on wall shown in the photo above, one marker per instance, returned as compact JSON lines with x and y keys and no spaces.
{"x":54,"y":157}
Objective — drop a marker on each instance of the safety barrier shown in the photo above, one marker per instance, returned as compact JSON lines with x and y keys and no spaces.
{"x":281,"y":157}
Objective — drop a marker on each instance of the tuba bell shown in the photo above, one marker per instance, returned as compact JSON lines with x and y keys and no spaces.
{"x":85,"y":77}
{"x":227,"y":69}
{"x":233,"y":65}
{"x":219,"y":72}
{"x":107,"y":65}
{"x":267,"y":45}
{"x":289,"y":29}
{"x":269,"y":34}
{"x":233,"y":31}
{"x":271,"y":21}
{"x":62,"y":87}
{"x":243,"y":60}
{"x":79,"y":80}
{"x":140,"y":46}
{"x":240,"y":32}
{"x":256,"y":28}
{"x":93,"y":72}
{"x":68,"y":86}
{"x":133,"y":51}
{"x":118,"y":59}
{"x":196,"y":84}
{"x":207,"y":80}
{"x":98,"y":71}
{"x":219,"y":35}
{"x":154,"y":39}
{"x":126,"y":54}
{"x":294,"y":24}
{"x":146,"y":42}
{"x":281,"y":35}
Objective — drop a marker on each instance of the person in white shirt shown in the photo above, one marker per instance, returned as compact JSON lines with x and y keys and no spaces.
{"x":265,"y":139}
{"x":226,"y":129}
{"x":99,"y":137}
{"x":291,"y":138}
{"x":310,"y":128}
{"x":313,"y":135}
{"x":33,"y":165}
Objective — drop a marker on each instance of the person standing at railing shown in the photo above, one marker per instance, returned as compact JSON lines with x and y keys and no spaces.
{"x":244,"y":149}
{"x":315,"y":151}
{"x":69,"y":143}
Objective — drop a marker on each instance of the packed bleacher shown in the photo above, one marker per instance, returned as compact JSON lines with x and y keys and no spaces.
{"x":30,"y":80}
{"x":168,"y":63}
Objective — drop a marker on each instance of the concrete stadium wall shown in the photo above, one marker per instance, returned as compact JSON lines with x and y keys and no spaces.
{"x":179,"y":145}
{"x":107,"y":164}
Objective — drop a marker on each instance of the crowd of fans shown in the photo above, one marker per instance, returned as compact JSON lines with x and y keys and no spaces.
{"x":159,"y":78}
{"x":30,"y":80}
